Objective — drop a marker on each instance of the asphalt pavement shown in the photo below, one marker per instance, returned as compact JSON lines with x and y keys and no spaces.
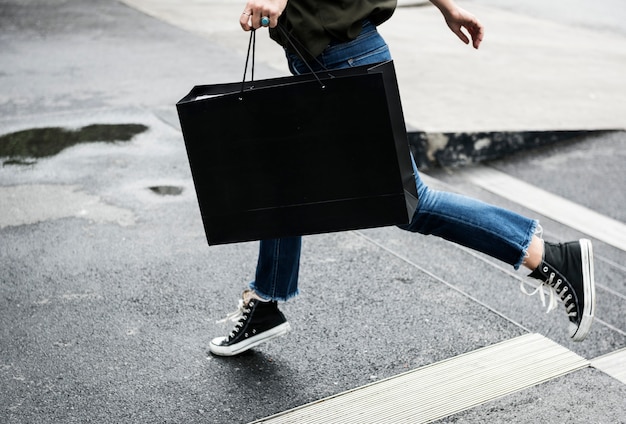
{"x":109,"y":292}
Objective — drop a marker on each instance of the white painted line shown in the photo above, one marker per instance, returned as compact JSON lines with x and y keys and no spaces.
{"x":613,"y":364}
{"x":444,"y":388}
{"x":550,"y":205}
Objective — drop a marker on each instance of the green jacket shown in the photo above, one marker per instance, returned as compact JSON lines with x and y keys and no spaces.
{"x":314,"y":23}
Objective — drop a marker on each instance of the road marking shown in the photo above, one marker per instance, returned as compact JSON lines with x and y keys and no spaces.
{"x":550,"y":205}
{"x":613,"y":364}
{"x":436,"y":391}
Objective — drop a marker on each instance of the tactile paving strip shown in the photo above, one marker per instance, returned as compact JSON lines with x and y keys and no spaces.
{"x":444,"y":388}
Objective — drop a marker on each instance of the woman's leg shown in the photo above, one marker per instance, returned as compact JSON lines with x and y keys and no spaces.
{"x":277,"y":268}
{"x":498,"y":232}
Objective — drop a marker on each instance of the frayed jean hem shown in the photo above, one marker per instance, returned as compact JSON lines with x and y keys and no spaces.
{"x":532,"y":231}
{"x":276,"y":298}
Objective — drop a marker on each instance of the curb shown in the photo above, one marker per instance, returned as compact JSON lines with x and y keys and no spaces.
{"x":440,"y":150}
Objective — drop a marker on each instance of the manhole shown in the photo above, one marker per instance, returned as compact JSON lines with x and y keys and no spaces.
{"x":166,"y":190}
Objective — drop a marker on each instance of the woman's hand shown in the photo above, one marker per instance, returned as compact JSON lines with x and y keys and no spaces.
{"x":255,"y":10}
{"x":458,"y":18}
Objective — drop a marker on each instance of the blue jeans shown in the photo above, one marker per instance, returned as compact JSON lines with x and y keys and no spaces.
{"x":500,"y":233}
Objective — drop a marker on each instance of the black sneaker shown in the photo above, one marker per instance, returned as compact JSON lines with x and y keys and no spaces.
{"x":567,"y":268}
{"x":257,"y":321}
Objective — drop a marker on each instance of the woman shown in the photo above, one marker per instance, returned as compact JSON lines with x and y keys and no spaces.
{"x":342,"y":33}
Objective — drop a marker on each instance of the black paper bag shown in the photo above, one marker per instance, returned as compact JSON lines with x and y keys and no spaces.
{"x":299,"y":155}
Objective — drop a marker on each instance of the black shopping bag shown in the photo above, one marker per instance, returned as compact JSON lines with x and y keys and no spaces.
{"x":299,"y":155}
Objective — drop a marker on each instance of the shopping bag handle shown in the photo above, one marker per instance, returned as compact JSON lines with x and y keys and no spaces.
{"x":291,"y":40}
{"x":252,"y":49}
{"x":251,"y":46}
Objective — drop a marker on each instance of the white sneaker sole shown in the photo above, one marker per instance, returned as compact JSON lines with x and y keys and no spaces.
{"x":237,"y":348}
{"x":589,"y":291}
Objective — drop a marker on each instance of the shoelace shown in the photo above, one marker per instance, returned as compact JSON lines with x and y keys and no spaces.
{"x":237,"y":316}
{"x":547,"y":288}
{"x":543,"y":288}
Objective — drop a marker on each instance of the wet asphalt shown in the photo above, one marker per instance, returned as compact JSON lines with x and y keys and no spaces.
{"x":109,"y":292}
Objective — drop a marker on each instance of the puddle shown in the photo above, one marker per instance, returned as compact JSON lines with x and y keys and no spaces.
{"x":45,"y":142}
{"x":166,"y":190}
{"x":19,"y":162}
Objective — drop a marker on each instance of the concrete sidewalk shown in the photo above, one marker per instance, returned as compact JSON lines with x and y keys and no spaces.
{"x":529,"y":74}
